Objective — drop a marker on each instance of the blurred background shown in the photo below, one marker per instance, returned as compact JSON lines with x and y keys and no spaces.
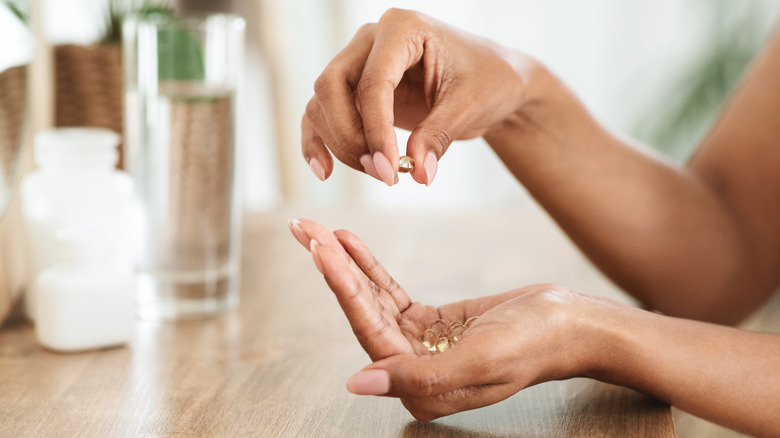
{"x":657,"y":70}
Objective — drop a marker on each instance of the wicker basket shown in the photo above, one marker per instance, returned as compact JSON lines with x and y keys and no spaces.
{"x":88,"y":87}
{"x":13,"y":86}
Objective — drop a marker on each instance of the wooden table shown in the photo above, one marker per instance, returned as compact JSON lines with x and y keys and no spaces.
{"x":277,"y":366}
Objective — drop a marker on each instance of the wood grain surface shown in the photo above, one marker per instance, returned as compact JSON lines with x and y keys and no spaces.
{"x":277,"y":366}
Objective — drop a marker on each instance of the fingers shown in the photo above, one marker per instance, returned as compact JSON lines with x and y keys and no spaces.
{"x":314,"y":150}
{"x":305,"y":230}
{"x":397,"y":46}
{"x":371,"y":311}
{"x":334,"y":113}
{"x":372,"y":316}
{"x":334,"y":93}
{"x":365,"y":260}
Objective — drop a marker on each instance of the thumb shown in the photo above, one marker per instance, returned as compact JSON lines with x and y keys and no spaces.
{"x":411,"y":376}
{"x":431,"y":139}
{"x":436,"y":385}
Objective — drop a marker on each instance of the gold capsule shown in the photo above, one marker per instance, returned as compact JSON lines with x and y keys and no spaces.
{"x":405,"y":164}
{"x":439,"y":326}
{"x":456,"y":332}
{"x":429,"y":339}
{"x":469,"y":321}
{"x":443,"y":344}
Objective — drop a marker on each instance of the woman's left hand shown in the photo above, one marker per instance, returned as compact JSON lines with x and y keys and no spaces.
{"x":521,"y":338}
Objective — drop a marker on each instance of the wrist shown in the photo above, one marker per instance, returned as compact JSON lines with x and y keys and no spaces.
{"x":534,"y":93}
{"x":549,"y":122}
{"x":614,"y":341}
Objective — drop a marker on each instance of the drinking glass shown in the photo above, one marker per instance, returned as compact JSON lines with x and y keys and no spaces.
{"x":182,"y":75}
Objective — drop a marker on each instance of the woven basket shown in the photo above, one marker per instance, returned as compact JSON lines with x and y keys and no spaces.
{"x":88,"y":87}
{"x":13,"y":86}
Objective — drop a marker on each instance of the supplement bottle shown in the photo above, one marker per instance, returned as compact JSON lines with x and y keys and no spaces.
{"x":76,"y":186}
{"x":83,"y":301}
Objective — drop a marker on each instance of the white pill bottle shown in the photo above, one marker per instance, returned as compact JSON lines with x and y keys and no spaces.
{"x":77,"y":187}
{"x":82,"y":301}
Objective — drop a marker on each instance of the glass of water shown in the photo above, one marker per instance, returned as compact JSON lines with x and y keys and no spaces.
{"x":182,"y":75}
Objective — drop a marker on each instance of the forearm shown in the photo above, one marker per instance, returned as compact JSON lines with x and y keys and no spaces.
{"x":722,"y":374}
{"x":656,"y":230}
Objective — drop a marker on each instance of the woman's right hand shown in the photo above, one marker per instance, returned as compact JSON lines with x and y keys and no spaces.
{"x":414,"y":72}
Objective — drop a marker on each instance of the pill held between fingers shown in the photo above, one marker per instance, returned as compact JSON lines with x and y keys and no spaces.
{"x":405,"y":164}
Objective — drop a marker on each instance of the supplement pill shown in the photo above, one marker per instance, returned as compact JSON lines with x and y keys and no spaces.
{"x":456,"y":332}
{"x":439,"y":326}
{"x":429,"y":339}
{"x":405,"y":164}
{"x":443,"y":344}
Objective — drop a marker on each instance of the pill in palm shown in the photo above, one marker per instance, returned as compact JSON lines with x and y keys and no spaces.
{"x":439,"y":326}
{"x":443,"y":344}
{"x":456,"y":332}
{"x":440,"y":336}
{"x":429,"y":338}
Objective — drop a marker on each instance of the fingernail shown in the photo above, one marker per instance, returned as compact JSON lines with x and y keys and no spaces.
{"x":395,"y":180}
{"x":369,"y":382}
{"x":368,"y":166}
{"x":317,"y":168}
{"x":315,"y":255}
{"x":297,"y":232}
{"x":384,"y":168}
{"x":431,"y":164}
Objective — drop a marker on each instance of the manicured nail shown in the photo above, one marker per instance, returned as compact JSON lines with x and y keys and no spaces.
{"x":315,"y":255}
{"x":431,"y":164}
{"x":368,"y":166}
{"x":297,"y":231}
{"x":317,"y":168}
{"x":384,"y":168}
{"x":369,"y":382}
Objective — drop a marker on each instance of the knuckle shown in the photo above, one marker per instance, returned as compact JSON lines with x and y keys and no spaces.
{"x":366,"y":29}
{"x":398,"y":15}
{"x":424,"y":382}
{"x":324,"y":83}
{"x":311,"y":109}
{"x":370,"y":82}
{"x":441,"y":139}
{"x":554,"y":292}
{"x":394,"y":14}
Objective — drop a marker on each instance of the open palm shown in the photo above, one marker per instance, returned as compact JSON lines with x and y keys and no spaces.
{"x":537,"y":342}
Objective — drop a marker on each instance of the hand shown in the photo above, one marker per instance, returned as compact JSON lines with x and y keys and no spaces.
{"x":521,"y":338}
{"x":414,"y":72}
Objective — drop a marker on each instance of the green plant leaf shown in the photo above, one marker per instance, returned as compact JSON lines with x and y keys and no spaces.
{"x":180,"y":56}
